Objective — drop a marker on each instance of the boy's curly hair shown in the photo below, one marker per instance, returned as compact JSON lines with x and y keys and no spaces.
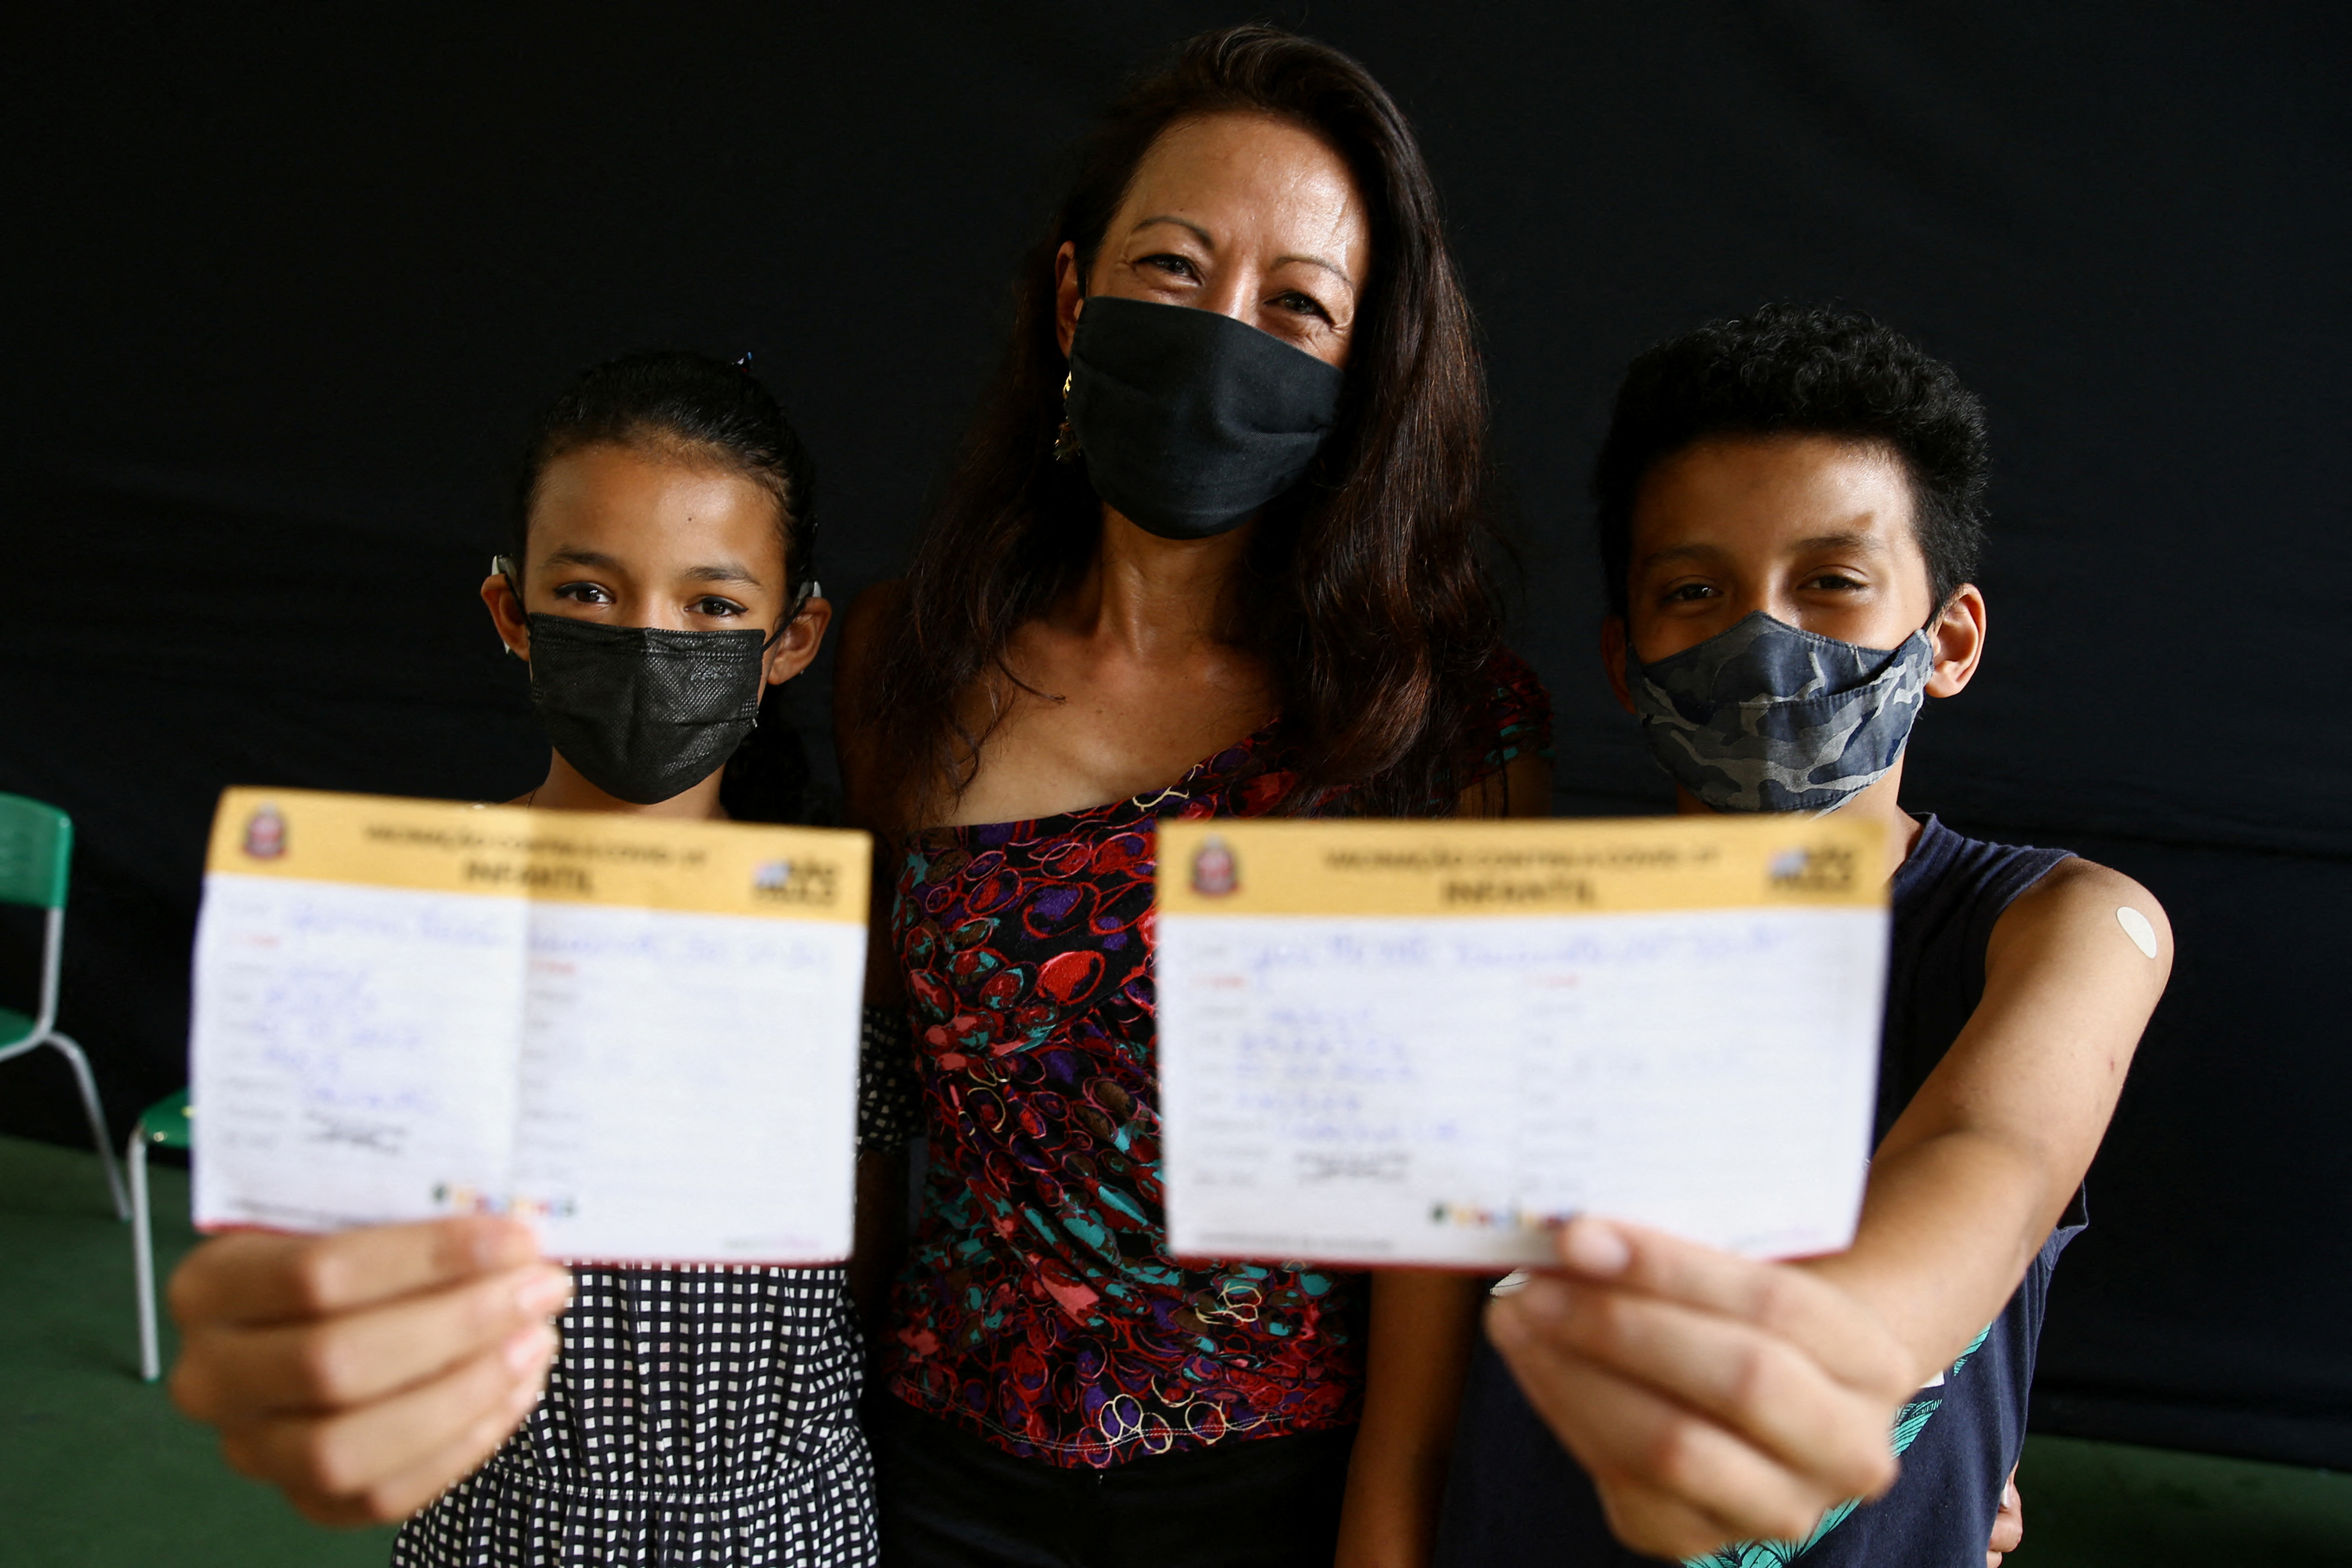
{"x":1810,"y":370}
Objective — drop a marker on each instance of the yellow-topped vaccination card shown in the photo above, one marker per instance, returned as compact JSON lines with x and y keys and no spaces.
{"x":642,"y":1034}
{"x":1428,"y":1043}
{"x":562,"y":856}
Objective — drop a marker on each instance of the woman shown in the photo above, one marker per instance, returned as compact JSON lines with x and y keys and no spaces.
{"x":658,"y":584}
{"x":1214,"y":549}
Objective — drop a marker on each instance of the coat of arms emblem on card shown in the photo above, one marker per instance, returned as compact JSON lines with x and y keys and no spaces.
{"x":265,"y":833}
{"x":1214,"y":872}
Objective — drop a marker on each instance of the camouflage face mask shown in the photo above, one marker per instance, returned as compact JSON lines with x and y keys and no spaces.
{"x":1765,"y":717}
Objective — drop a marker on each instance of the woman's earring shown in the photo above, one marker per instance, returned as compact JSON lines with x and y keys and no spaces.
{"x":1066,"y":439}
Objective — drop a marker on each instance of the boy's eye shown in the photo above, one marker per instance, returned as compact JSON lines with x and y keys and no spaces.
{"x":711,"y":604}
{"x":1836,"y":581}
{"x":584,"y":593}
{"x":1685,"y":593}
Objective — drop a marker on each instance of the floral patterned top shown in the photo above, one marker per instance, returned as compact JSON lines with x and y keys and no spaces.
{"x":1039,"y":1307}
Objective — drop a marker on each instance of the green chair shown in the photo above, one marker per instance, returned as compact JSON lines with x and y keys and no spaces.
{"x":165,"y":1125}
{"x":35,"y":844}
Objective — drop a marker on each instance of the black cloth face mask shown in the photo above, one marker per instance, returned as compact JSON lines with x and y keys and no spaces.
{"x":643,"y":713}
{"x":1189,"y":421}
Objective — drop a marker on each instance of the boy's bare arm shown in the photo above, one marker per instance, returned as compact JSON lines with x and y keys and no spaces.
{"x":1982,"y":1163}
{"x":1713,"y":1398}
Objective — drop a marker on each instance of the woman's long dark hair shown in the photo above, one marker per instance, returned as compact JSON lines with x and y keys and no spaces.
{"x":1366,"y":589}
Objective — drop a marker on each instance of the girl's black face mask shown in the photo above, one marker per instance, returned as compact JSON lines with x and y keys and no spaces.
{"x":643,"y":714}
{"x":1189,"y":421}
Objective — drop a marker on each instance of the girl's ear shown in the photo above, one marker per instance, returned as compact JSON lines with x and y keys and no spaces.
{"x":791,"y":653}
{"x":507,"y":614}
{"x":1959,"y":635}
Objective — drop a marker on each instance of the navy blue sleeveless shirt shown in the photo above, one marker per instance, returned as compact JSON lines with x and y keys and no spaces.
{"x":1515,"y":1496}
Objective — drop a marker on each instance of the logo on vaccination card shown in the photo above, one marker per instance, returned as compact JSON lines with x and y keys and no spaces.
{"x":1814,"y":869}
{"x":265,"y":833}
{"x":1215,"y":873}
{"x":794,"y":882}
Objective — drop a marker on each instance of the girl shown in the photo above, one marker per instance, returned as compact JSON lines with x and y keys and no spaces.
{"x":657,"y":584}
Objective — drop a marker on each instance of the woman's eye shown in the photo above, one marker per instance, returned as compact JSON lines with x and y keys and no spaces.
{"x":1687,"y":593}
{"x":1174,"y":266}
{"x":584,"y":593}
{"x":1302,"y":304}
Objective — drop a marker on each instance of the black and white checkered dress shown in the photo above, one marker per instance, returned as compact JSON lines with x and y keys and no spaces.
{"x":701,"y":1415}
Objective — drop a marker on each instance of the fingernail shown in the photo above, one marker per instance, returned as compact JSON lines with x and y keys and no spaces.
{"x":526,"y":1349}
{"x":1545,"y":1301}
{"x":1506,"y":1325}
{"x":1593,"y":1246}
{"x":544,"y":1294}
{"x":501,"y":1243}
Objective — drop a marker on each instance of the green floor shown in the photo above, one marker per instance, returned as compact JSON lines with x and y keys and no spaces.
{"x":97,"y":1471}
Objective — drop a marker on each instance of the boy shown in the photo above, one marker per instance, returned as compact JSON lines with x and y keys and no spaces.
{"x":1789,"y":515}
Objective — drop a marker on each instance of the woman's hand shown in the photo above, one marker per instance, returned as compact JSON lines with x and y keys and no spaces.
{"x":1711,"y":1399}
{"x":361,"y":1374}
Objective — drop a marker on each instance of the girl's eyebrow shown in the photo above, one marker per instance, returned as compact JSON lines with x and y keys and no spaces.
{"x":573,"y":555}
{"x":723,"y":572}
{"x":597,"y":559}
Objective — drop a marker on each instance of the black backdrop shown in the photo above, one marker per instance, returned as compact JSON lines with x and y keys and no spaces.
{"x":285,"y":287}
